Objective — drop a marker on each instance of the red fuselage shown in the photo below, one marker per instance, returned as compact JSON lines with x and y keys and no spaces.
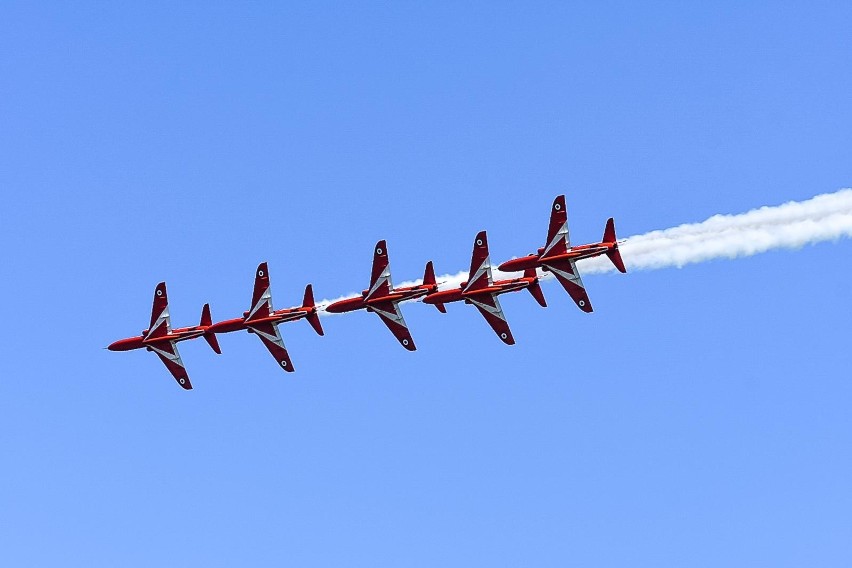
{"x":139,"y":342}
{"x":496,"y":288}
{"x":574,"y":253}
{"x":396,"y":295}
{"x":278,"y":316}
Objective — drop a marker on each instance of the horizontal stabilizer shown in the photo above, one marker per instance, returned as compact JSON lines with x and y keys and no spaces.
{"x":615,"y":256}
{"x":312,"y":317}
{"x":613,"y":253}
{"x":314,"y":320}
{"x":213,"y":342}
{"x":535,"y":287}
{"x":207,"y":321}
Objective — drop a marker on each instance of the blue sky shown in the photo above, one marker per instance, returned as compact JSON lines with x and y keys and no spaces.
{"x":700,"y":417}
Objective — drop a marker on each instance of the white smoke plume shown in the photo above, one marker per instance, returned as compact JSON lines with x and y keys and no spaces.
{"x":792,"y":225}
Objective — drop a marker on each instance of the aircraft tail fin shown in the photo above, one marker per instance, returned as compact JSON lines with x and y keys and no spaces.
{"x":429,"y":280}
{"x":312,"y":316}
{"x":613,"y":253}
{"x":207,"y":321}
{"x":429,"y":275}
{"x":535,"y":287}
{"x":308,"y":300}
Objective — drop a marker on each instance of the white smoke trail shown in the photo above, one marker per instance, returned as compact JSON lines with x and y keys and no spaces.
{"x":792,"y":225}
{"x":789,"y":226}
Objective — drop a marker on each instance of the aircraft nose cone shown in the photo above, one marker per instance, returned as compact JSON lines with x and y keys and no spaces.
{"x":333,"y":308}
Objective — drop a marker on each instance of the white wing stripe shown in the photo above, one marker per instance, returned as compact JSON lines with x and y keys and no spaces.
{"x":173,"y":357}
{"x":573,"y":278}
{"x":494,"y":310}
{"x":561,"y":234}
{"x":395,"y":315}
{"x":385,"y":276}
{"x":484,"y":267}
{"x":265,"y":299}
{"x":276,"y":339}
{"x":163,"y":318}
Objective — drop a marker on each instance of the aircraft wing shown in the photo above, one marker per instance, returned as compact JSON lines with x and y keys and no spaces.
{"x":566,"y":272}
{"x":271,"y":338}
{"x":558,"y":241}
{"x":380,"y":276}
{"x":490,"y":309}
{"x":391,"y":316}
{"x":479,"y":275}
{"x":160,"y":322}
{"x":261,"y":299}
{"x":169,"y":355}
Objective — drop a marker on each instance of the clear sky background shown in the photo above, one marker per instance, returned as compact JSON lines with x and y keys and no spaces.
{"x":699,"y":417}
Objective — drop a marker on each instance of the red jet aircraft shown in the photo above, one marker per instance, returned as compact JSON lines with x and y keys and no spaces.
{"x":263,"y":321}
{"x":559,"y":257}
{"x":383,"y":299}
{"x":481,"y":290}
{"x":162,"y":339}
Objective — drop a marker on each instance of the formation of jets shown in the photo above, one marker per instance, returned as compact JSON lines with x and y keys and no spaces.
{"x":557,"y":256}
